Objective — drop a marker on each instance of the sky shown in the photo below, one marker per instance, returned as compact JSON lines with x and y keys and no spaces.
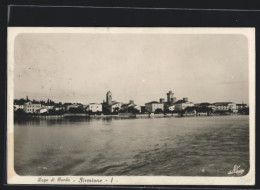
{"x":140,"y":67}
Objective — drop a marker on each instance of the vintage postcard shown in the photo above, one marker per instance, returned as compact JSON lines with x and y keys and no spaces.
{"x":131,"y":106}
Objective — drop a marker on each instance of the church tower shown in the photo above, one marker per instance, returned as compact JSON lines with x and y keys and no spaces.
{"x":109,"y":98}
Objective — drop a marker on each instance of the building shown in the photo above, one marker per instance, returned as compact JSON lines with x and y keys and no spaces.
{"x":32,"y":106}
{"x":203,"y":104}
{"x":18,"y":105}
{"x":109,"y":98}
{"x":94,"y":107}
{"x":213,"y":107}
{"x":170,"y":99}
{"x":59,"y":108}
{"x":48,"y":106}
{"x":169,"y":96}
{"x":182,"y":104}
{"x":116,"y":106}
{"x":153,"y":106}
{"x":138,"y":108}
{"x":42,"y":110}
{"x":204,"y":108}
{"x":131,"y":107}
{"x":225,"y":106}
{"x":240,"y":106}
{"x":72,"y":106}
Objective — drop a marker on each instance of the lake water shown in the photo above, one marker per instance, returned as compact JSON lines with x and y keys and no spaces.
{"x":189,"y":146}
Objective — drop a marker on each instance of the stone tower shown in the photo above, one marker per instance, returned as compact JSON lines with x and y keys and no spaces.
{"x":161,"y":100}
{"x":169,"y":96}
{"x":109,"y":98}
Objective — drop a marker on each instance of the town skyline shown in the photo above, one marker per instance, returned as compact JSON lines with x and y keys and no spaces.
{"x":69,"y":68}
{"x":104,"y":100}
{"x":110,"y":106}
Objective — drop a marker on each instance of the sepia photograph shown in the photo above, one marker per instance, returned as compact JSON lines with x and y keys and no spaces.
{"x":131,"y":106}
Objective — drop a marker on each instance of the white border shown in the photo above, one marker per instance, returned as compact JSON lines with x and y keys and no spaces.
{"x":249,"y":179}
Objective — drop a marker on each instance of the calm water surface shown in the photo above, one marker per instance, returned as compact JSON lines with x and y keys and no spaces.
{"x":189,"y":146}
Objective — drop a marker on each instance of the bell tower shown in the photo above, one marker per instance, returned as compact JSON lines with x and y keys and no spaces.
{"x":109,"y":98}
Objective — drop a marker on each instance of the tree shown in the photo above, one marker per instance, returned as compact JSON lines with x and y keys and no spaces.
{"x":19,"y":113}
{"x":106,"y":110}
{"x":76,"y":110}
{"x":244,"y":111}
{"x":158,"y":111}
{"x":170,"y":111}
{"x":133,"y":110}
{"x":116,"y":110}
{"x":98,"y":112}
{"x":189,"y":109}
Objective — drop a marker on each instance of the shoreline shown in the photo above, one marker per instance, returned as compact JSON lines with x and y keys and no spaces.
{"x":120,"y":116}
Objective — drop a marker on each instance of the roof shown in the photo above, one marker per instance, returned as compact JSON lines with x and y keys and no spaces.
{"x":74,"y":104}
{"x":153,"y":102}
{"x":222,"y":103}
{"x":181,"y":102}
{"x":94,"y":104}
{"x":131,"y":105}
{"x":204,"y":104}
{"x":33,"y":102}
{"x":241,"y":104}
{"x":66,"y":104}
{"x":42,"y":108}
{"x":113,"y":103}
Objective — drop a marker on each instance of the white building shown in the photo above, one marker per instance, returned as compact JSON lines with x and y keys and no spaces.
{"x":59,"y":108}
{"x":49,"y":107}
{"x":74,"y":105}
{"x":182,"y":104}
{"x":18,"y":106}
{"x":94,"y":107}
{"x":42,"y":110}
{"x":213,"y":107}
{"x":225,"y":106}
{"x":153,"y":106}
{"x":206,"y":105}
{"x":31,"y":107}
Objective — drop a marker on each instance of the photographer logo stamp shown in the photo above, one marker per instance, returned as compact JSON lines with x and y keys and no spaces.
{"x":236,"y":170}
